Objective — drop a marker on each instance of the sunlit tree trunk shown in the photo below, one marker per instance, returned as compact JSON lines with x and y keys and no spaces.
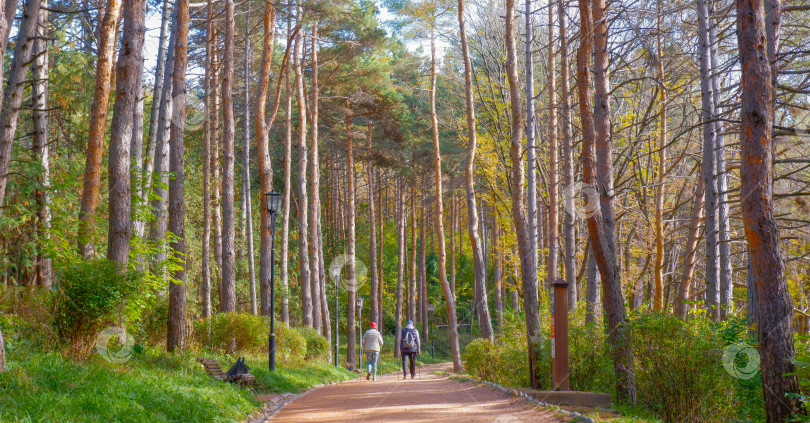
{"x":402,"y":256}
{"x":287,"y":190}
{"x":479,"y":265}
{"x":303,"y":197}
{"x":592,"y":309}
{"x":205,"y":289}
{"x":756,"y":173}
{"x":129,"y":76}
{"x":98,"y":122}
{"x":372,"y":214}
{"x":658,"y":270}
{"x":351,"y":345}
{"x":216,"y":165}
{"x":228,"y":286}
{"x":264,"y":162}
{"x":176,"y":333}
{"x":13,"y":95}
{"x":41,"y":148}
{"x":523,"y":228}
{"x":411,"y":296}
{"x":315,"y":191}
{"x":497,"y":270}
{"x":568,"y":150}
{"x":247,"y":201}
{"x":552,"y":263}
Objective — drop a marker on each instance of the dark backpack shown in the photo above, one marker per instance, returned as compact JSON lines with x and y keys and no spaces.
{"x":409,"y":341}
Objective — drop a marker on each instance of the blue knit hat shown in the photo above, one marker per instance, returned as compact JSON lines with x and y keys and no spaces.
{"x":409,"y":322}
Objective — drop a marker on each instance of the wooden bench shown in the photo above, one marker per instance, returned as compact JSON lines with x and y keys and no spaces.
{"x":215,"y":370}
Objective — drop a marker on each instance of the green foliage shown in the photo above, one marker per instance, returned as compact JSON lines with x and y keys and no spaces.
{"x":502,"y":361}
{"x":317,"y":345}
{"x":679,"y":375}
{"x":89,"y":296}
{"x":590,"y":361}
{"x":242,"y":333}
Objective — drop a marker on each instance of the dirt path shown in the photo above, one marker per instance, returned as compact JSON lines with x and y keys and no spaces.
{"x":431,"y":398}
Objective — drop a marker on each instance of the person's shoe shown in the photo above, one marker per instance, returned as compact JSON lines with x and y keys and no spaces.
{"x":413,"y":376}
{"x":368,"y":376}
{"x":404,"y":375}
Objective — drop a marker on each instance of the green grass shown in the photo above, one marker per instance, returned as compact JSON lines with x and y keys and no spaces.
{"x":151,"y":387}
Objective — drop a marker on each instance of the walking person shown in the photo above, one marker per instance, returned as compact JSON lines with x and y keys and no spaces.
{"x":409,"y":346}
{"x":371,"y":342}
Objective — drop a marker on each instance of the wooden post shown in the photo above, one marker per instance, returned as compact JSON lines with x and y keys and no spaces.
{"x":559,"y":336}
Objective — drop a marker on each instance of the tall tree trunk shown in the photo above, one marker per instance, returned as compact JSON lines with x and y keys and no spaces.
{"x":449,"y":298}
{"x":148,"y":168}
{"x":98,"y":122}
{"x":497,"y":270}
{"x":315,"y":191}
{"x":303,"y":223}
{"x":5,"y":29}
{"x":568,"y":149}
{"x":696,"y":214}
{"x":287,"y":190}
{"x":658,"y":301}
{"x":411,"y":313}
{"x":264,"y":161}
{"x":176,"y":333}
{"x":402,"y":256}
{"x":216,"y":165}
{"x":552,"y":263}
{"x":598,"y":171}
{"x":709,"y":162}
{"x":39,"y":95}
{"x":479,"y":264}
{"x":372,"y":212}
{"x":247,"y":201}
{"x":228,"y":210}
{"x":527,"y":240}
{"x":756,"y":173}
{"x":129,"y":76}
{"x":351,"y":358}
{"x":592,"y":309}
{"x":13,"y":95}
{"x":416,"y":295}
{"x":205,"y":289}
{"x":2,"y":352}
{"x":453,"y":230}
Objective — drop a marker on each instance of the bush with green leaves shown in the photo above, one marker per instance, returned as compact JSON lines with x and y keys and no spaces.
{"x":679,"y":373}
{"x":238,"y":333}
{"x":317,"y":345}
{"x":89,"y":296}
{"x":504,"y":360}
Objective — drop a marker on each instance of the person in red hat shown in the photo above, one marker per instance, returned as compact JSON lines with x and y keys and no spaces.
{"x":372,"y":341}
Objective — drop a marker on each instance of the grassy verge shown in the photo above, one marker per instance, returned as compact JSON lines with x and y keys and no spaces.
{"x":152,"y":386}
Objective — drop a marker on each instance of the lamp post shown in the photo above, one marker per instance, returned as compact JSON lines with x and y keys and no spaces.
{"x":273,"y":202}
{"x":359,"y":331}
{"x":431,"y":308}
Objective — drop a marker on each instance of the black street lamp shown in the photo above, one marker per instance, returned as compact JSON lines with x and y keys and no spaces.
{"x":431,"y":308}
{"x":359,"y":330}
{"x":273,"y":202}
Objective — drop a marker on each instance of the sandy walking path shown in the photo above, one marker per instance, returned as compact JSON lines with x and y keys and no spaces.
{"x":430,"y":398}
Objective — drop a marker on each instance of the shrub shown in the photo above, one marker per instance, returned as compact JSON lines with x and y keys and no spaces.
{"x":317,"y":345}
{"x":233,"y":333}
{"x":679,"y":375}
{"x":503,"y":361}
{"x":90,"y":295}
{"x":591,"y":367}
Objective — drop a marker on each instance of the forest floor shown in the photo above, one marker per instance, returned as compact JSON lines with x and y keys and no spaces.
{"x":429,"y":397}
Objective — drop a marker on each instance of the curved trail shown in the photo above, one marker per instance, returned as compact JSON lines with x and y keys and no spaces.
{"x":431,"y":398}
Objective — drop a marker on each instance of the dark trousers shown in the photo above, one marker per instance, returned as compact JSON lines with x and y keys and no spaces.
{"x":412,"y":357}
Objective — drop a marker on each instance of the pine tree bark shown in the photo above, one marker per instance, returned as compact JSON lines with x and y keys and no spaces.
{"x":41,"y":148}
{"x":690,"y":262}
{"x":402,"y":257}
{"x":287,"y":189}
{"x":756,"y":173}
{"x":414,"y":274}
{"x":372,"y":212}
{"x":598,"y":172}
{"x":709,"y":162}
{"x":108,"y":38}
{"x":2,"y":352}
{"x":523,"y":227}
{"x":568,"y":148}
{"x":303,"y":198}
{"x":129,"y":77}
{"x":216,"y":165}
{"x":479,"y":264}
{"x":552,"y":263}
{"x":351,"y":335}
{"x":592,"y":309}
{"x":315,"y":191}
{"x":497,"y":271}
{"x":13,"y":95}
{"x":228,"y":286}
{"x":247,"y":202}
{"x":176,"y":333}
{"x":205,"y":288}
{"x":658,"y":300}
{"x":264,"y":161}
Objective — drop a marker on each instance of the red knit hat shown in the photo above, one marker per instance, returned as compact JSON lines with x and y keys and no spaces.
{"x":373,"y":324}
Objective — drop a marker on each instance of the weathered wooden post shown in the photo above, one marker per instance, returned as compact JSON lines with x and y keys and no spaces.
{"x":559,"y":336}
